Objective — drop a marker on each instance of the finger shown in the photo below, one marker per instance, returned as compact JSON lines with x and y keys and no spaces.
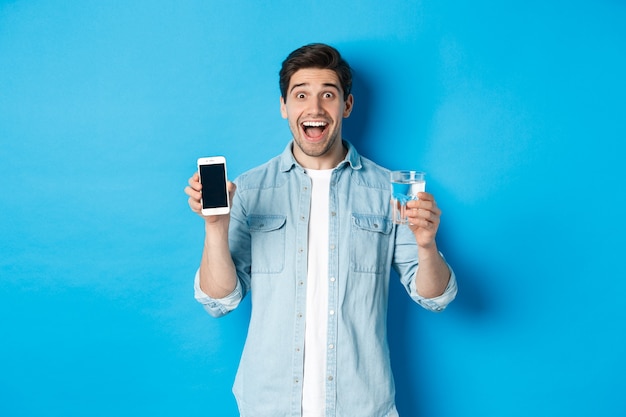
{"x":194,"y":205}
{"x":424,"y":225}
{"x":424,"y":205}
{"x":432,"y":209}
{"x":421,"y":216}
{"x":231,"y":187}
{"x":194,"y":182}
{"x":423,"y":195}
{"x":196,"y":195}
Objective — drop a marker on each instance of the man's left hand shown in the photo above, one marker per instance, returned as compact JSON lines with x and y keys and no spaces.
{"x":424,"y":217}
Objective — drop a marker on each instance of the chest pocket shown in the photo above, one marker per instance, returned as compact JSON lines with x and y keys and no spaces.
{"x":369,"y":247}
{"x":267,"y":234}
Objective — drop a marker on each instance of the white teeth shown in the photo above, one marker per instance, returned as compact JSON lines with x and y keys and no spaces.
{"x":314,"y":124}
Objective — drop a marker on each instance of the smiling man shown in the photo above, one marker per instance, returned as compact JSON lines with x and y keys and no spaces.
{"x":315,"y":107}
{"x":310,"y":238}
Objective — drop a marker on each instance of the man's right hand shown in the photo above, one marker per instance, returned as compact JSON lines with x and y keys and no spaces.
{"x":217,"y":273}
{"x":194,"y":191}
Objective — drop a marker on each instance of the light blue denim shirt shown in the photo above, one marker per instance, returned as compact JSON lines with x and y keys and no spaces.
{"x":268,"y":243}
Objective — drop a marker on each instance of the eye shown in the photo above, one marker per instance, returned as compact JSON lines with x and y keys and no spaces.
{"x":300,"y":96}
{"x":328,"y":95}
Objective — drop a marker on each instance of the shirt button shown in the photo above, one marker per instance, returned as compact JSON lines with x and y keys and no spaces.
{"x":332,"y":279}
{"x":332,"y":213}
{"x":331,"y":346}
{"x":332,"y":312}
{"x":330,"y":377}
{"x":332,"y":247}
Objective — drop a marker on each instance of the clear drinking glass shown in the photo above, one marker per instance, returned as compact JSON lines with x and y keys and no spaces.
{"x":404,"y":187}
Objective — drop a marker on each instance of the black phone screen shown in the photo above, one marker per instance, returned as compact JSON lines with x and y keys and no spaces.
{"x":213,"y":179}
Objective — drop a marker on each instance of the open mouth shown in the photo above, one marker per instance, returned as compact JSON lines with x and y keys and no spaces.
{"x":314,"y":130}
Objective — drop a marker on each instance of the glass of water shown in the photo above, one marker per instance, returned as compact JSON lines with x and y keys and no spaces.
{"x":404,"y":187}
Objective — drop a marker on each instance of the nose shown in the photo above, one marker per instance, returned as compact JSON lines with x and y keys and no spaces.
{"x":315,"y":105}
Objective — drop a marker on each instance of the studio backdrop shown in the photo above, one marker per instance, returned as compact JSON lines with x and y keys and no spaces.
{"x":515,"y":111}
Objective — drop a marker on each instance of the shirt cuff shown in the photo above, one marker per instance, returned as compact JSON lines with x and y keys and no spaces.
{"x":217,"y":307}
{"x":439,"y":303}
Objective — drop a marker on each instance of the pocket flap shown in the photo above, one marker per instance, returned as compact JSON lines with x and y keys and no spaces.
{"x":265,"y":223}
{"x":373,"y":223}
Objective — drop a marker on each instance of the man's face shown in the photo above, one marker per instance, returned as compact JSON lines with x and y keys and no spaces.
{"x":315,"y":109}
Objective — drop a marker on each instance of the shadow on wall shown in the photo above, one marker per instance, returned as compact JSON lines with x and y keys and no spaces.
{"x":471,"y":299}
{"x":355,"y":127}
{"x":412,"y":388}
{"x":407,"y":329}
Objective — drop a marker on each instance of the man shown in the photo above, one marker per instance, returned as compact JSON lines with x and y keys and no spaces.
{"x":310,"y":238}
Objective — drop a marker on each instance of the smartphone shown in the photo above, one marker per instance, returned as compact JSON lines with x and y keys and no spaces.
{"x":212,"y":171}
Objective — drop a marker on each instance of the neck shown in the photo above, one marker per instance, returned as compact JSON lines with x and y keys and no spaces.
{"x":329,"y":160}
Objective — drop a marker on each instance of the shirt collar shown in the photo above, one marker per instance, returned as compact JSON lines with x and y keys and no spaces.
{"x":288,"y":161}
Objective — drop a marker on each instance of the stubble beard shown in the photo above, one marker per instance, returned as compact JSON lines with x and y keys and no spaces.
{"x":317,"y":149}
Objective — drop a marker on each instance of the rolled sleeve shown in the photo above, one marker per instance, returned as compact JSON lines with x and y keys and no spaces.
{"x":217,"y":307}
{"x":439,"y":303}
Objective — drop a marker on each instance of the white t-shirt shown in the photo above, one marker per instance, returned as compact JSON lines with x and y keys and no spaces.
{"x":314,"y":381}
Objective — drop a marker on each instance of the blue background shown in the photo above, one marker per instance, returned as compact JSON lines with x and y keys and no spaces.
{"x":516,"y":111}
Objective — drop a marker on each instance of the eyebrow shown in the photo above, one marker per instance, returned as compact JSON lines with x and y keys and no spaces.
{"x":332,"y":85}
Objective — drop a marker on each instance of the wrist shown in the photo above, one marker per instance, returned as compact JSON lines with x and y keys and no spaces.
{"x":428,"y":252}
{"x":215,"y":230}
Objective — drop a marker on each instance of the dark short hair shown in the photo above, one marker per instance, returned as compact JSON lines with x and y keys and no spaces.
{"x":316,"y":55}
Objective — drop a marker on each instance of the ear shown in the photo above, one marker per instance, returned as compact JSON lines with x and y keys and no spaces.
{"x":348,"y":106}
{"x":283,"y":108}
